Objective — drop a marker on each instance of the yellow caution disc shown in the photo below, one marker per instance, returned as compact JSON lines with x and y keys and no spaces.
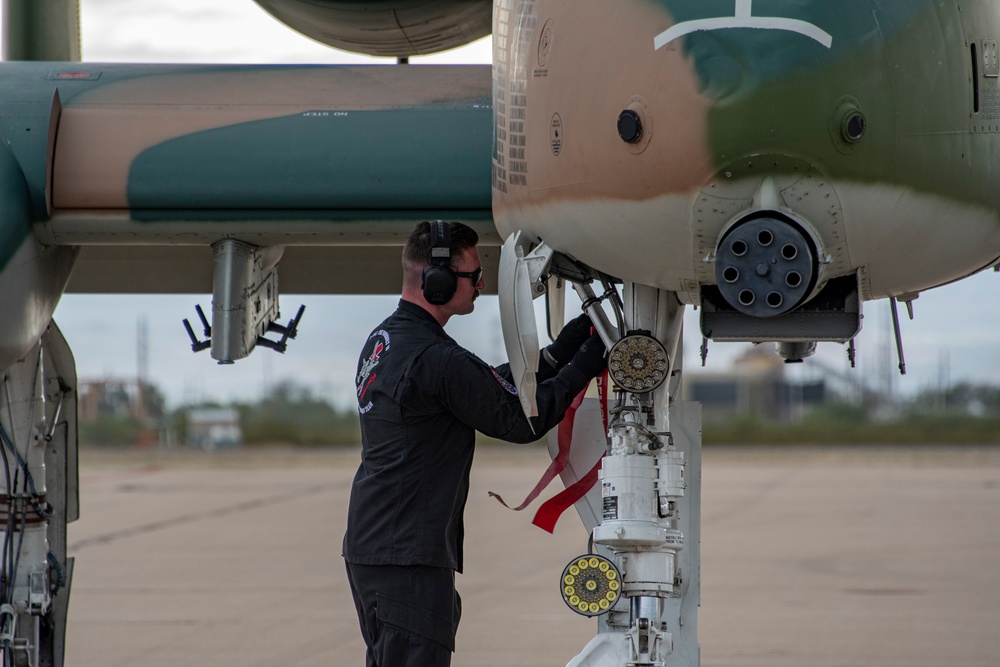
{"x":590,"y":585}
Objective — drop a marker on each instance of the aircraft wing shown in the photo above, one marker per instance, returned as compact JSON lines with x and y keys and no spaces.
{"x":145,"y":167}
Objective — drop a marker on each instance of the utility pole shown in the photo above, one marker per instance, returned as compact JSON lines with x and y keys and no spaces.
{"x":142,"y":366}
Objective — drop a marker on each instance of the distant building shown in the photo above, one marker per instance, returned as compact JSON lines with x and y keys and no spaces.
{"x":756,"y":385}
{"x":214,"y":428}
{"x":108,"y":397}
{"x":123,"y":398}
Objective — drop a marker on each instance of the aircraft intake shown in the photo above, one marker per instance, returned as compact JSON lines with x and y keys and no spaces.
{"x":765,"y":266}
{"x":397,"y":28}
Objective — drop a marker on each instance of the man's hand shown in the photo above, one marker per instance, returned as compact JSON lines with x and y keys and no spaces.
{"x":569,"y":340}
{"x":591,"y":358}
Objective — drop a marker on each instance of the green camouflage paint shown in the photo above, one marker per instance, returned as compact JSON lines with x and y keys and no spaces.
{"x":322,"y":160}
{"x":779,"y":92}
{"x":15,"y":226}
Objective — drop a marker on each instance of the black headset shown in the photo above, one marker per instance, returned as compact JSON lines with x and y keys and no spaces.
{"x":439,"y":280}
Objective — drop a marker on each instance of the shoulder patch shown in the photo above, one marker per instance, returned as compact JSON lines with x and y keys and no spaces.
{"x":511,"y":389}
{"x":377,"y":345}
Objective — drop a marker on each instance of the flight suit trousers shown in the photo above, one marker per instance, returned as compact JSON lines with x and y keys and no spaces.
{"x":409,"y":614}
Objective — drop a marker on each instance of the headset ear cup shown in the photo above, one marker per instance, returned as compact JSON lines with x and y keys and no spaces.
{"x":439,"y":284}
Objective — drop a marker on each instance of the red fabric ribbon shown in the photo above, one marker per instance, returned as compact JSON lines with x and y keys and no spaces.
{"x":550,"y":511}
{"x":565,"y":436}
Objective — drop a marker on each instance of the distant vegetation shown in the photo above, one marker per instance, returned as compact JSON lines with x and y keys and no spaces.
{"x":289,"y":414}
{"x":825,"y":429}
{"x":110,"y":430}
{"x":963,"y":414}
{"x":293,"y":414}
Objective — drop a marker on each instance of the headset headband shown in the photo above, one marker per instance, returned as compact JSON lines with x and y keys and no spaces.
{"x":440,"y":252}
{"x":438,"y":282}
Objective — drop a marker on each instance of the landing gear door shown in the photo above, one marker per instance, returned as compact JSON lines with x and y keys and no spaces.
{"x":517,"y":289}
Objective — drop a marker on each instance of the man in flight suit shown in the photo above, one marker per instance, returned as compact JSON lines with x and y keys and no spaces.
{"x":422,"y":397}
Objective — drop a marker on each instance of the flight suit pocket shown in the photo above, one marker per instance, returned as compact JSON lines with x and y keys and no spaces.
{"x":418,"y":620}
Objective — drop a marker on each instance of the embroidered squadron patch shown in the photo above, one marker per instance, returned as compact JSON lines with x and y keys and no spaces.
{"x":377,"y":345}
{"x":511,"y":389}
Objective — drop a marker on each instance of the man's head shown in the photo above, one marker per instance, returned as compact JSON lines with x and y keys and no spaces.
{"x":463,"y":264}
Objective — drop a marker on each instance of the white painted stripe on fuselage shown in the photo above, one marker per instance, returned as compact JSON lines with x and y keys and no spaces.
{"x":743,"y":19}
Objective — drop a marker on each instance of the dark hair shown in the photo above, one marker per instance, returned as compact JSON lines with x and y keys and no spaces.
{"x":418,"y":246}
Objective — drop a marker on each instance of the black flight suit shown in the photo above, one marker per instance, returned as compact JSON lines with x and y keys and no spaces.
{"x":422,"y":397}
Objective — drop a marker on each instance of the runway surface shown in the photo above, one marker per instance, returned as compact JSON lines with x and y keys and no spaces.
{"x":810,"y":556}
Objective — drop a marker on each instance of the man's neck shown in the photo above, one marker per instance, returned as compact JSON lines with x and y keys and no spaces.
{"x":432,"y":310}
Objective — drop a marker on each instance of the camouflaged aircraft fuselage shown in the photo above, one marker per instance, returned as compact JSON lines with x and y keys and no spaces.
{"x":872,"y":125}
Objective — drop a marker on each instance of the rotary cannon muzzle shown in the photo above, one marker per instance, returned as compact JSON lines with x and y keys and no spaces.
{"x":765,"y":266}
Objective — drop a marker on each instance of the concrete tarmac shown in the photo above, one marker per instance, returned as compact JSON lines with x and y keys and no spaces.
{"x":826,"y":557}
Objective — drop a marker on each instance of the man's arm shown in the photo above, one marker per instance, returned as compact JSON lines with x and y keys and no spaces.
{"x":480,"y":397}
{"x":559,"y":352}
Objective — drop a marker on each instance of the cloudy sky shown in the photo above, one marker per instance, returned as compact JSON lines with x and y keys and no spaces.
{"x":954,"y":335}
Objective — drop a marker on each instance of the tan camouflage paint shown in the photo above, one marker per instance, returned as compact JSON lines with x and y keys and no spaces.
{"x":579,"y":79}
{"x":588,"y":77}
{"x":104,"y":129}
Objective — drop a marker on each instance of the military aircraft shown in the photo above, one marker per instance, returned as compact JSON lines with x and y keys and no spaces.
{"x":775,"y":163}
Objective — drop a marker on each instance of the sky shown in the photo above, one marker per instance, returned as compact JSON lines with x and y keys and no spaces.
{"x":952,"y":338}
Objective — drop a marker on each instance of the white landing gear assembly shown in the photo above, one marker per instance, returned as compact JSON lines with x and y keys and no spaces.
{"x":38,"y":497}
{"x":641,"y":573}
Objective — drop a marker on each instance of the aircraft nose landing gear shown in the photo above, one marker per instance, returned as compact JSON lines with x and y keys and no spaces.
{"x":646,"y":513}
{"x":651,"y":450}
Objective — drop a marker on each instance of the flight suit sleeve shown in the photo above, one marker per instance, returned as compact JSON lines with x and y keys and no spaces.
{"x":545,"y":372}
{"x":483,"y":398}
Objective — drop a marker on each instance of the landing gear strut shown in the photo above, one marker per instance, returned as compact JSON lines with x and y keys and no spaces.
{"x":38,"y":497}
{"x":650,"y":495}
{"x":645,"y":516}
